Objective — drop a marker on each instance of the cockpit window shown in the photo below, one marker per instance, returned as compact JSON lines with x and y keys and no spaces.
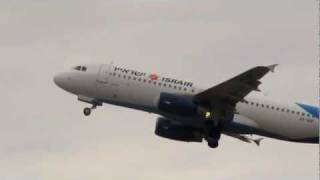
{"x":80,"y":68}
{"x":77,"y":68}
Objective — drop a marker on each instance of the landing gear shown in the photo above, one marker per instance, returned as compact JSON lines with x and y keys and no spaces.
{"x":87,"y":111}
{"x":218,"y":116}
{"x":213,"y":144}
{"x":213,"y":133}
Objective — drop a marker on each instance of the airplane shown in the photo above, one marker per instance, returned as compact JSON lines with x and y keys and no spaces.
{"x":193,"y":114}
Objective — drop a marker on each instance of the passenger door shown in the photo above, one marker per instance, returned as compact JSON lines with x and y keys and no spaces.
{"x":103,"y":75}
{"x":103,"y":82}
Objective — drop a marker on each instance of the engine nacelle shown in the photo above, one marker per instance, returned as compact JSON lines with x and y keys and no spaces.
{"x":167,"y":129}
{"x":177,"y":104}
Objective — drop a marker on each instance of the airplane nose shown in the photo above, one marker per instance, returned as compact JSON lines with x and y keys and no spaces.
{"x":60,"y":80}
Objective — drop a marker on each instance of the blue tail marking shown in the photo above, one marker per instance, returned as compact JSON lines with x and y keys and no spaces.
{"x":314,"y":111}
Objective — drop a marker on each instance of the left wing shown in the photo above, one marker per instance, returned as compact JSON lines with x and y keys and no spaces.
{"x":235,"y":89}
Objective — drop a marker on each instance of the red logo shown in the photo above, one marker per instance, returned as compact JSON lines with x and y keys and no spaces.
{"x":154,"y":77}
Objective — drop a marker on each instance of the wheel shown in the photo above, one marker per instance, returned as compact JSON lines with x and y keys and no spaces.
{"x":213,"y":144}
{"x":87,"y":111}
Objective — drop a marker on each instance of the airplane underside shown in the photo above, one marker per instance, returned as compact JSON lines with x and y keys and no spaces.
{"x":190,"y":129}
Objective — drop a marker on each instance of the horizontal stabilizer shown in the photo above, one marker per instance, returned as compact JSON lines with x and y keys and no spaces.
{"x":257,"y":141}
{"x":245,"y":138}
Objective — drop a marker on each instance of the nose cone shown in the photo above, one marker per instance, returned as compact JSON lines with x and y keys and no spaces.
{"x":61,"y":80}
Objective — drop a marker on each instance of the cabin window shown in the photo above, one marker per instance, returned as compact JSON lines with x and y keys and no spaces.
{"x":252,"y":103}
{"x":257,"y":104}
{"x":144,"y":81}
{"x":134,"y":78}
{"x":159,"y":84}
{"x":293,"y":112}
{"x":298,"y":113}
{"x":124,"y":76}
{"x":282,"y":110}
{"x":302,"y":114}
{"x":262,"y":105}
{"x":185,"y":89}
{"x":155,"y":83}
{"x":164,"y":85}
{"x":272,"y":107}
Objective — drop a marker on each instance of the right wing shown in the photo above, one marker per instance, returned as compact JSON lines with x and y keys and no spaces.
{"x":234,"y":90}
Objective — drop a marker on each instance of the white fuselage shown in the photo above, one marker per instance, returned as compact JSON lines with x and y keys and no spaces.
{"x":138,"y":90}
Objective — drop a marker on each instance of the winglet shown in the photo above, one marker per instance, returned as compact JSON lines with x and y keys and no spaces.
{"x":257,"y":141}
{"x":272,"y":67}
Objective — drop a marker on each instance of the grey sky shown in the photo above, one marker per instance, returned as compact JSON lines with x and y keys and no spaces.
{"x":44,"y":136}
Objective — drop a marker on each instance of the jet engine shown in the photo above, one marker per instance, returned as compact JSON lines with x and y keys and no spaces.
{"x":177,"y":104}
{"x":168,"y":129}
